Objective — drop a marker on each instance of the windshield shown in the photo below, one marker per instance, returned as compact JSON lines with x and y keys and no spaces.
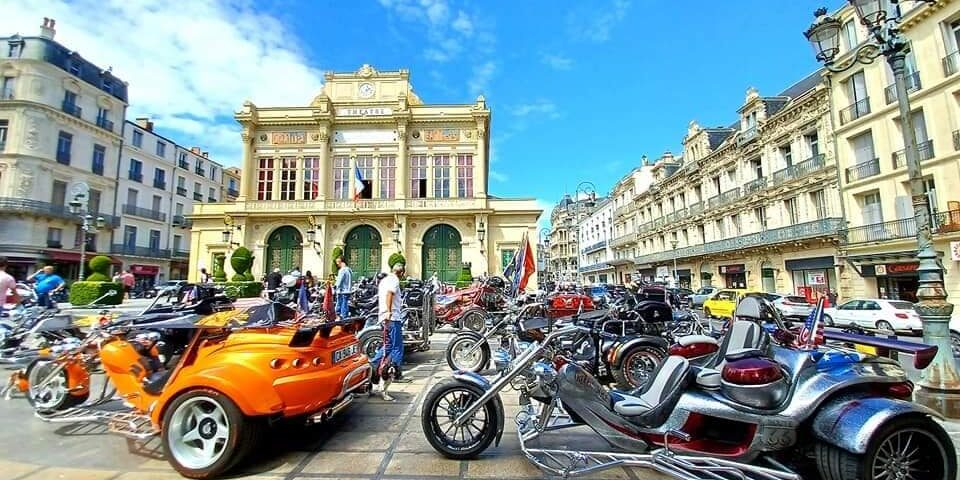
{"x":902,"y":305}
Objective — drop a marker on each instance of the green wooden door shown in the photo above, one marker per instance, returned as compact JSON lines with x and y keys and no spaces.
{"x":284,"y":250}
{"x":442,"y":253}
{"x":362,"y":251}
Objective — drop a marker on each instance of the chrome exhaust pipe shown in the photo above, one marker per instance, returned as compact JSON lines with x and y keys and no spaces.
{"x":329,"y":413}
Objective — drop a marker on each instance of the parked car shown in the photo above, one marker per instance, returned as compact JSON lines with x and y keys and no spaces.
{"x":174,"y":285}
{"x":889,"y":315}
{"x":791,"y":307}
{"x":723,"y":302}
{"x":700,"y":296}
{"x":683,"y":294}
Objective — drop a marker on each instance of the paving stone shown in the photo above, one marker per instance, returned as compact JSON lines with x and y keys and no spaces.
{"x":58,"y":473}
{"x":345,"y":463}
{"x":271,"y":463}
{"x":372,"y":424}
{"x":360,"y":441}
{"x":422,"y":464}
{"x":11,"y":470}
{"x":414,"y":441}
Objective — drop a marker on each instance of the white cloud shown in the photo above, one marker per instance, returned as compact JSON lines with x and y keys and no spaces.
{"x":498,"y":176}
{"x":188,"y":67}
{"x":541,"y":108}
{"x":595,"y":24}
{"x":463,"y":24}
{"x":482,"y":75}
{"x":446,"y":33}
{"x":557,"y":62}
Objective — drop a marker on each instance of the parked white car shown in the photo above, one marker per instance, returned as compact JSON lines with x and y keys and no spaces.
{"x":889,"y":315}
{"x":793,"y":307}
{"x":700,"y":296}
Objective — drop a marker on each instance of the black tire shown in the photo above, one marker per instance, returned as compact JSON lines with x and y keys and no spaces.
{"x":36,"y":371}
{"x":934,"y":452}
{"x":827,"y":321}
{"x":457,"y":342}
{"x":474,"y":321}
{"x":955,"y":343}
{"x":883,"y":325}
{"x":628,"y":379}
{"x":370,"y":342}
{"x":435,"y":421}
{"x":240,"y":437}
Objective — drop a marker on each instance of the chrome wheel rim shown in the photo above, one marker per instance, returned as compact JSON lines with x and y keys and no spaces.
{"x":47,"y":392}
{"x":884,"y":326}
{"x":371,"y":347}
{"x":448,"y":408}
{"x":199,"y":432}
{"x":474,"y":322}
{"x":463,"y":360}
{"x":909,"y":454}
{"x":639,"y":366}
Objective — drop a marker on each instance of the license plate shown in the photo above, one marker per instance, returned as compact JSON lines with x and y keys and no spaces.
{"x":345,"y":352}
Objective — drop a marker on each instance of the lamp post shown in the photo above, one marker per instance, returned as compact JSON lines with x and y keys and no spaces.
{"x":544,"y":248}
{"x":676,"y":279}
{"x":940,"y":382}
{"x":228,"y":227}
{"x":315,"y":231}
{"x":87,"y":225}
{"x":589,"y":191}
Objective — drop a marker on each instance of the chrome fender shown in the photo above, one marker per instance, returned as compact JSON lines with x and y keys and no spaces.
{"x":848,"y":422}
{"x":480,"y":381}
{"x":624,"y":345}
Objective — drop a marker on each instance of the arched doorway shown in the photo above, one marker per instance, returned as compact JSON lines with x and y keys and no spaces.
{"x":361,"y":250}
{"x":284,"y":249}
{"x":442,"y":253}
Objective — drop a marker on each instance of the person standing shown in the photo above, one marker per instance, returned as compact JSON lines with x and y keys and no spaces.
{"x":342,"y":287}
{"x":8,"y":287}
{"x":832,"y":298}
{"x":47,"y":283}
{"x":274,"y":279}
{"x":204,"y":276}
{"x":389,"y":358}
{"x":128,"y":281}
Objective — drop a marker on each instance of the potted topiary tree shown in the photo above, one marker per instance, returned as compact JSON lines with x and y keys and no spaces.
{"x":396,"y":258}
{"x":97,"y":285}
{"x":219,"y":273}
{"x":100,"y":266}
{"x":465,"y":278}
{"x":337,"y":252}
{"x":241,"y":261}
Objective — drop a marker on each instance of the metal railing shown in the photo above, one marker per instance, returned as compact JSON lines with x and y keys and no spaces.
{"x":799,"y":170}
{"x":730,"y":196}
{"x":144,"y":213}
{"x":951,"y":63}
{"x":121,"y":249}
{"x":232,"y":192}
{"x":105,"y":124}
{"x":754,"y":186}
{"x":816,"y":228}
{"x":200,"y":171}
{"x":71,"y":109}
{"x":595,"y":246}
{"x":913,"y":84}
{"x":97,"y":167}
{"x":182,"y":191}
{"x":863,"y":170}
{"x":594,"y":267}
{"x":855,"y":111}
{"x":179,"y":254}
{"x":197,"y":196}
{"x":161,"y":184}
{"x":748,"y":135}
{"x":135,"y":176}
{"x":211,"y":200}
{"x":940,"y":222}
{"x":696,"y":208}
{"x":713,"y":201}
{"x":924,"y":152}
{"x":622,"y":240}
{"x":35,"y":207}
{"x":183,"y":164}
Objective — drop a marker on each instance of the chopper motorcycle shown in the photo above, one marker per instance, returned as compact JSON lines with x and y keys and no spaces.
{"x":418,"y":316}
{"x":770,"y":410}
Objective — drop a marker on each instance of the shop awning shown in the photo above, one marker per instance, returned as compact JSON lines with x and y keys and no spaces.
{"x":144,"y":269}
{"x":73,"y":256}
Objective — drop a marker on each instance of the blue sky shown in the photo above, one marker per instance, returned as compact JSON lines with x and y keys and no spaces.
{"x":579,"y":90}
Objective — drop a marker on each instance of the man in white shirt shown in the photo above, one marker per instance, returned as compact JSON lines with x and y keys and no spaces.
{"x":387,"y":361}
{"x":8,"y":286}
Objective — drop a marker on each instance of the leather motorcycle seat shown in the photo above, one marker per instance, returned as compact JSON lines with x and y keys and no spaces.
{"x":693,"y":339}
{"x":651,"y":404}
{"x":709,"y":378}
{"x":742,"y":335}
{"x":742,"y":353}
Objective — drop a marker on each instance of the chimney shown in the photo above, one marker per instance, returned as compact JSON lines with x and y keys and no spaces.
{"x":195,"y":150}
{"x":206,"y":154}
{"x":47,"y":30}
{"x":145,"y":123}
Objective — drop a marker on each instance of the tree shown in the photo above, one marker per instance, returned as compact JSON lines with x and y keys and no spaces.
{"x":396,"y":258}
{"x":241,"y":261}
{"x":100,"y":266}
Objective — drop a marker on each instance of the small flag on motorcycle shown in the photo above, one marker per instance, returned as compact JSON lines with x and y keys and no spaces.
{"x":303,"y":300}
{"x":811,"y":334}
{"x":328,"y":303}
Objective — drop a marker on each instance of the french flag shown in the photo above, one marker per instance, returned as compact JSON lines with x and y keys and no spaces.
{"x":358,"y":185}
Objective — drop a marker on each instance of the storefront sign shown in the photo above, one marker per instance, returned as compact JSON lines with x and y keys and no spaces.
{"x":663,"y":272}
{"x":738,"y":268}
{"x":288,"y":138}
{"x":366,"y":136}
{"x":441,"y":135}
{"x":880,"y":269}
{"x":816,"y":278}
{"x":955,"y":251}
{"x":364,"y":111}
{"x":895,"y":268}
{"x":144,"y":269}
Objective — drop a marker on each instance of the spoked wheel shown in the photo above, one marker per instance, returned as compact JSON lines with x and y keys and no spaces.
{"x":637,"y":366}
{"x":885,"y":327}
{"x":49,"y":387}
{"x":370,"y":342}
{"x":459,"y":356}
{"x":905,"y":448}
{"x":444,"y":404}
{"x":204,"y":434}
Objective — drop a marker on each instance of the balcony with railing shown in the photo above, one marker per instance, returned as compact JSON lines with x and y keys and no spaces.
{"x":144,"y":213}
{"x":135,"y":176}
{"x":855,"y":111}
{"x":863,"y":170}
{"x":800,"y":170}
{"x":197,"y":196}
{"x":659,"y":222}
{"x":940,"y":222}
{"x":924,"y":152}
{"x":181,"y":221}
{"x":748,"y":135}
{"x":105,"y":124}
{"x":161,"y":184}
{"x":696,"y":208}
{"x":183,"y":164}
{"x":754,"y":186}
{"x":200,"y":171}
{"x":232,"y":192}
{"x":596,"y":267}
{"x":137,"y":251}
{"x":913,"y":84}
{"x":624,"y":210}
{"x":176,"y":253}
{"x":47,"y":209}
{"x":71,"y":109}
{"x":624,"y":240}
{"x":595,"y":247}
{"x":211,"y":200}
{"x":713,"y":201}
{"x":182,"y":191}
{"x":951,"y":63}
{"x":730,"y":196}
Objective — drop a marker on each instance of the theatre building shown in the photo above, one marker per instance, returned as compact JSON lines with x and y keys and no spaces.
{"x":369,"y":168}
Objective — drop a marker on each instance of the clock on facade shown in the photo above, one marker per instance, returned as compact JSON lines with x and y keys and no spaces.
{"x":366,"y":90}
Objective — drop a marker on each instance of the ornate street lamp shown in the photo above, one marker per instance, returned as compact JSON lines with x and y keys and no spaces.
{"x":229,"y":227}
{"x":87,"y":225}
{"x":938,"y":386}
{"x":315,"y":231}
{"x":589,"y":190}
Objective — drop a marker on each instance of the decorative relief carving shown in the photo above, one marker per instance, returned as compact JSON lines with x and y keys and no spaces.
{"x":25,"y":184}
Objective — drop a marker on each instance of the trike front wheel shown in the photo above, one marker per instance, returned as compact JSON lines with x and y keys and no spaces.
{"x":444,"y":404}
{"x":204,"y":434}
{"x":48,"y":387}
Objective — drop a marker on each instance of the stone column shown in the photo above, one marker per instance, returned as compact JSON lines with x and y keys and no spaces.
{"x":429,"y":192}
{"x":401,"y":177}
{"x":299,"y":172}
{"x":481,"y":164}
{"x":325,"y":165}
{"x":275,"y":184}
{"x":248,"y":163}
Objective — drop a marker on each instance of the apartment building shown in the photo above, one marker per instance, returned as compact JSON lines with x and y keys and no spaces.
{"x":751,"y":205}
{"x":596,"y":231}
{"x":158,"y":186}
{"x":564,"y":246}
{"x":60,"y":121}
{"x":623,"y":241}
{"x":231,"y":184}
{"x":879,"y":247}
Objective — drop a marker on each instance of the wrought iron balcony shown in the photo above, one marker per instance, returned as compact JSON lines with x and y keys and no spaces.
{"x":182,"y":191}
{"x":197,"y":196}
{"x":135,"y":176}
{"x":863,"y":170}
{"x":730,"y":196}
{"x":755,"y":186}
{"x":624,"y":210}
{"x":748,"y":135}
{"x":232,"y":192}
{"x":47,"y":209}
{"x":800,"y":170}
{"x":133,"y":250}
{"x":713,"y":201}
{"x":71,"y":109}
{"x":940,"y":222}
{"x":183,"y":164}
{"x":924,"y":152}
{"x":211,"y":200}
{"x":951,"y":63}
{"x":801,"y":231}
{"x":181,"y":221}
{"x":161,"y":184}
{"x":913,"y":84}
{"x":105,"y":124}
{"x":624,"y":240}
{"x":144,"y":213}
{"x":596,"y":267}
{"x":595,"y":247}
{"x":200,"y":171}
{"x":179,"y":253}
{"x":696,"y":208}
{"x":855,"y":111}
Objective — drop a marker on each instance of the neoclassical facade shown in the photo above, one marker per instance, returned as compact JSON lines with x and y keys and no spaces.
{"x":368,"y":168}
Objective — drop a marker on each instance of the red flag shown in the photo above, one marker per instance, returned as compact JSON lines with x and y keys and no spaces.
{"x":529,"y":264}
{"x":328,"y":303}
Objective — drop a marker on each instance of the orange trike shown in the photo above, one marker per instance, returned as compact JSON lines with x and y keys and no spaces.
{"x":205,"y":384}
